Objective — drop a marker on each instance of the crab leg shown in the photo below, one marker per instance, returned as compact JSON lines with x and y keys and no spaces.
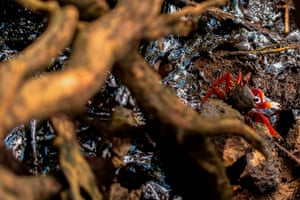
{"x":217,"y":90}
{"x":229,"y":80}
{"x":260,"y":117}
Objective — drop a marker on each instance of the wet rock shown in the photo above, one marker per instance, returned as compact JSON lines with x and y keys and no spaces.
{"x":234,"y":150}
{"x":215,"y":108}
{"x":218,"y":109}
{"x":262,"y":174}
{"x":16,"y":141}
{"x":154,"y":191}
{"x":245,"y":166}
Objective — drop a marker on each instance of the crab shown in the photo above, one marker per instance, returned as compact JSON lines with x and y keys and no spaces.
{"x":250,"y":102}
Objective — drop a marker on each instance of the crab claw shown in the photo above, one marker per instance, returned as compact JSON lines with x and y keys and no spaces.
{"x":263,"y":102}
{"x":274,"y":105}
{"x":268,"y":105}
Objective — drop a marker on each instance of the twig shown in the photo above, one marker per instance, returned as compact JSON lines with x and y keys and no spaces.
{"x":33,"y":127}
{"x":286,"y":8}
{"x":292,"y":156}
{"x":287,"y":16}
{"x":298,"y":126}
{"x":199,"y":9}
{"x":175,"y":23}
{"x":257,"y":52}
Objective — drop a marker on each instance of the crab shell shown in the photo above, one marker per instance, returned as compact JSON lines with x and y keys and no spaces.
{"x":242,"y":98}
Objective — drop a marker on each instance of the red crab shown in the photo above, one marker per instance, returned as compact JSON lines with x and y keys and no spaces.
{"x":244,"y":99}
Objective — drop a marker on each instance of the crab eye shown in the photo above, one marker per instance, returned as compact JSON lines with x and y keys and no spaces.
{"x":257,"y":100}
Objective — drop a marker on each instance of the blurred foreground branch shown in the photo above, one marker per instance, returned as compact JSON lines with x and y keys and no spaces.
{"x":112,"y":39}
{"x":27,"y":187}
{"x":181,"y":125}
